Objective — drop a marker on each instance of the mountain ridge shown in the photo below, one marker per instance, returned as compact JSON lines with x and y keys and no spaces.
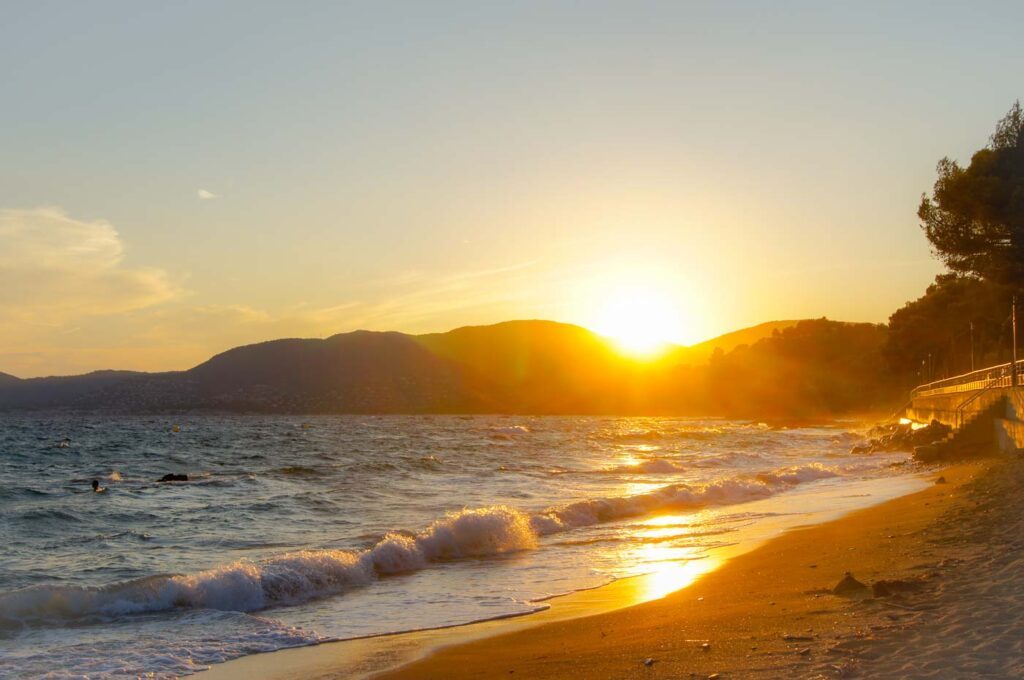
{"x":519,"y":366}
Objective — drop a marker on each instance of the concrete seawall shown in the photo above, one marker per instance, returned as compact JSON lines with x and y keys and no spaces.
{"x":952,"y":409}
{"x":1003,"y":406}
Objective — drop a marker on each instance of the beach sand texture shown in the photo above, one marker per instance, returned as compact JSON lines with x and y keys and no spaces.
{"x":771,"y":612}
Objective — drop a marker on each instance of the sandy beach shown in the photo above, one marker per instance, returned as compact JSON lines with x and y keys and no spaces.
{"x":771,"y":612}
{"x":942,"y":578}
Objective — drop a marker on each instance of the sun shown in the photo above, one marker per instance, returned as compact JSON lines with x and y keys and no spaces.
{"x":641,"y":320}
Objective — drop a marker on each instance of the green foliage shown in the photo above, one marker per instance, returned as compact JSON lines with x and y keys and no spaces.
{"x":814,"y":368}
{"x":975,"y":216}
{"x":931,"y":337}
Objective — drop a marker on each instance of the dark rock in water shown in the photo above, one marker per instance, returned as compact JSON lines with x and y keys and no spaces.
{"x":903,"y":437}
{"x":173,"y":478}
{"x":849,"y":586}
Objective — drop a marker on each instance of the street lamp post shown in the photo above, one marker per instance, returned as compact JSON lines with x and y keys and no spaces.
{"x":1013,"y":372}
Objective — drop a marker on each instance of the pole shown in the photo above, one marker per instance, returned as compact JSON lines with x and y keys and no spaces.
{"x":972,"y":347}
{"x":1013,"y":374}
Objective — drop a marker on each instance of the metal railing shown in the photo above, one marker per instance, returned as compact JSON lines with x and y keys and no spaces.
{"x":961,"y":410}
{"x":984,"y":379}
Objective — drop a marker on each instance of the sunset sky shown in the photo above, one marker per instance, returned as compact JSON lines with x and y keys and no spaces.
{"x":180,"y":178}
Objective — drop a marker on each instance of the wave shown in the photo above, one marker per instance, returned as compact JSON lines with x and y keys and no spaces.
{"x":720,"y":492}
{"x":508,"y":432}
{"x":303,"y":575}
{"x":290,"y":578}
{"x":642,"y":435}
{"x":648,"y":466}
{"x":298,"y":471}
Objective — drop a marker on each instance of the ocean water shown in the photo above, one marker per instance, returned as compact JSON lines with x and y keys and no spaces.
{"x":294,"y":531}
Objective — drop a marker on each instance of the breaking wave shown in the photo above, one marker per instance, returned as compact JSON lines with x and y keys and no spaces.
{"x":649,"y":466}
{"x":299,"y":576}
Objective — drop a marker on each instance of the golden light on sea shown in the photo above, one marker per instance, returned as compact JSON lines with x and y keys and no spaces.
{"x":669,"y":577}
{"x":666,"y":566}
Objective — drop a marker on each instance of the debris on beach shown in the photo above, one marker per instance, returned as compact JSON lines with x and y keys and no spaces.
{"x":849,"y":586}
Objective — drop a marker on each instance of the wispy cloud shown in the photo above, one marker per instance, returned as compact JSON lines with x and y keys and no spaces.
{"x":55,"y":267}
{"x":69,"y":304}
{"x":205,"y":195}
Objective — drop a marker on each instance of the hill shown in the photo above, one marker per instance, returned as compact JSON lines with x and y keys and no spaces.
{"x":540,"y":367}
{"x":702,"y":351}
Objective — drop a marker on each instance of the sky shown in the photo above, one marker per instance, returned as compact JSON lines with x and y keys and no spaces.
{"x":180,"y":178}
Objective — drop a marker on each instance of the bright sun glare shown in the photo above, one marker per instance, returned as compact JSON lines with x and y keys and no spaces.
{"x":640,"y":319}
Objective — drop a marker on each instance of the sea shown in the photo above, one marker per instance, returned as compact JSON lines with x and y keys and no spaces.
{"x":295,"y":531}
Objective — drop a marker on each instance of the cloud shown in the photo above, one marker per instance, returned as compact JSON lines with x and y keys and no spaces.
{"x":55,"y":268}
{"x":206,"y":195}
{"x":70,"y":304}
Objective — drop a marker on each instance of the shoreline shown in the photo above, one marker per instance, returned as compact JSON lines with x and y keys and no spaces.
{"x":372,"y":656}
{"x":767,"y":613}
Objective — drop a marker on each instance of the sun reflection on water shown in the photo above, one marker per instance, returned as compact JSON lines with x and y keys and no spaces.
{"x":664,"y":557}
{"x":669,"y":577}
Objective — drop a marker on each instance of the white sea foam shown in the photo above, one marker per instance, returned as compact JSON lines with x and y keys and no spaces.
{"x":720,"y":492}
{"x":158,"y":652}
{"x":508,"y":432}
{"x":300,"y":576}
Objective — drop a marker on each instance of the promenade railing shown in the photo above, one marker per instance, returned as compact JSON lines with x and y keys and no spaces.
{"x":985,"y":378}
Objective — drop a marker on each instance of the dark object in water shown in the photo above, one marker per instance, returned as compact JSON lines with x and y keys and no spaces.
{"x":940,"y":480}
{"x":903,"y":437}
{"x":97,"y":488}
{"x":849,"y":586}
{"x":172,"y":477}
